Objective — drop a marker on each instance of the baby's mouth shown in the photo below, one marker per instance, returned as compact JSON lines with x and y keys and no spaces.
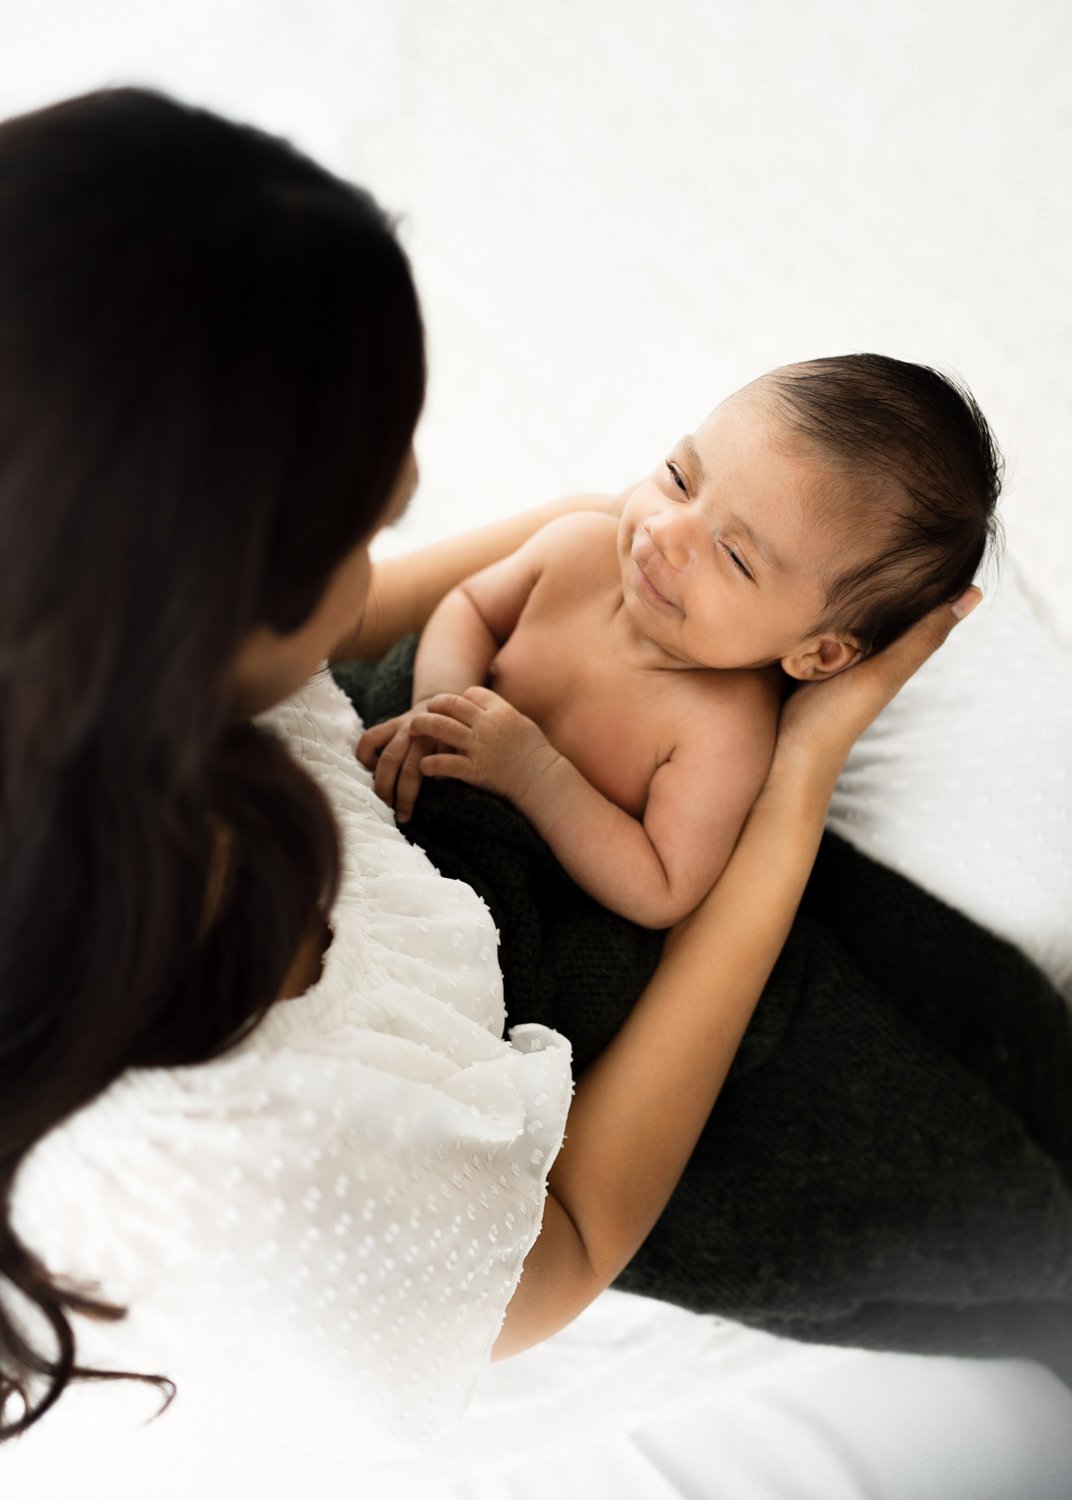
{"x":648,"y":590}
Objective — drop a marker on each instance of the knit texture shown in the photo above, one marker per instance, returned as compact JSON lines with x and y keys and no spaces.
{"x":889,"y":1163}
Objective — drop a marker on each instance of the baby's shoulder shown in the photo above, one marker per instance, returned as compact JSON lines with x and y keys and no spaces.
{"x":575,"y":548}
{"x":741,"y":707}
{"x":564,"y":535}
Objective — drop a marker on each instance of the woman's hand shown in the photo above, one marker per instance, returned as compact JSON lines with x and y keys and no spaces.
{"x":820,"y":722}
{"x":392,"y":752}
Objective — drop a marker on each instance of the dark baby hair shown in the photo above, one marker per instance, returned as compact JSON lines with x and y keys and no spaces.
{"x":211,"y":368}
{"x":916,"y":465}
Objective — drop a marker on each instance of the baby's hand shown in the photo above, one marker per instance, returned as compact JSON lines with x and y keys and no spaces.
{"x":393,"y":753}
{"x":483,"y":740}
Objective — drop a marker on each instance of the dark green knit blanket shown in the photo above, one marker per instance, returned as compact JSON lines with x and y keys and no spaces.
{"x":889,"y":1163}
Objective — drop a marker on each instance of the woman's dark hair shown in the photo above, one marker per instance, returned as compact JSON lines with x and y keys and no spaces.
{"x":919,"y":472}
{"x":211,"y":368}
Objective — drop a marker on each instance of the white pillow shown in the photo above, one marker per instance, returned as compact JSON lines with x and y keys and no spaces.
{"x":964,"y":783}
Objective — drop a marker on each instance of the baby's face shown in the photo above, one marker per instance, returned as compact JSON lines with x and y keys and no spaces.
{"x":721,"y":549}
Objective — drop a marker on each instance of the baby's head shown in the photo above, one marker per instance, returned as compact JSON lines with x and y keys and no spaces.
{"x":812,"y":518}
{"x":913,"y":479}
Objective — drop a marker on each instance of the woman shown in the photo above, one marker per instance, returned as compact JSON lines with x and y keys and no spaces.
{"x":212,"y":370}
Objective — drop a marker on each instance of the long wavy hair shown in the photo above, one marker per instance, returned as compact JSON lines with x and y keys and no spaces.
{"x":211,"y":367}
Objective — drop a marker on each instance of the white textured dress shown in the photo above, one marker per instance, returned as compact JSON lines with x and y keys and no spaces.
{"x":317,"y":1234}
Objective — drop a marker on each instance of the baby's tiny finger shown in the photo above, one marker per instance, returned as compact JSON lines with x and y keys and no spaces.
{"x":454,"y":704}
{"x":455,"y":766}
{"x":441,"y":727}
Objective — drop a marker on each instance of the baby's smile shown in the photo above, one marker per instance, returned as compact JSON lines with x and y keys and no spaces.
{"x":647,"y":587}
{"x":655,"y":579}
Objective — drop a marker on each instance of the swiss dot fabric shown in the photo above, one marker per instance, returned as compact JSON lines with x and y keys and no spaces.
{"x":317,"y":1234}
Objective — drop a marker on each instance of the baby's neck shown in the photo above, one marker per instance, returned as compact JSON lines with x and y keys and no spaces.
{"x":638,"y":650}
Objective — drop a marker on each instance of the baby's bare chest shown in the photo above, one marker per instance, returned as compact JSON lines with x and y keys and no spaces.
{"x":615,"y":723}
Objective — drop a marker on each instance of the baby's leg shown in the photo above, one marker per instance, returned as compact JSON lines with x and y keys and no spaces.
{"x":964,"y":784}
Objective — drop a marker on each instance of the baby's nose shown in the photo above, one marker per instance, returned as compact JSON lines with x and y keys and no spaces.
{"x":671,"y":536}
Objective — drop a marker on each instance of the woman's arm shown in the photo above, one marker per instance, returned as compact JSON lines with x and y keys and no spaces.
{"x":639,"y":1108}
{"x":405,"y":590}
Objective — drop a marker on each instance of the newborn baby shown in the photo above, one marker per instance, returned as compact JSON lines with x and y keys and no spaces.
{"x":619,"y":681}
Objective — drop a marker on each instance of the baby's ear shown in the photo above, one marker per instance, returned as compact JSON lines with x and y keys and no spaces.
{"x":822,"y":657}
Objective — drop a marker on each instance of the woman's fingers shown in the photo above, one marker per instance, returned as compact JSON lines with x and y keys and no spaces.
{"x":888,"y":672}
{"x":389,"y":765}
{"x":394,"y":750}
{"x":826,"y":718}
{"x":408,"y":781}
{"x":373,"y":740}
{"x":971,"y":596}
{"x":907,"y":654}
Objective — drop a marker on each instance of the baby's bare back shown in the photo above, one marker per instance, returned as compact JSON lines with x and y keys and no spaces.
{"x":564,"y":666}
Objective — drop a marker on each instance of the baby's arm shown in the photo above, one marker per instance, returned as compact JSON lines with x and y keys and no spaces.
{"x":406,"y":589}
{"x":652,"y":870}
{"x":471,"y":623}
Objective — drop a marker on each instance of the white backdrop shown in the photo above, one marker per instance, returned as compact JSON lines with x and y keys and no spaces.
{"x":619,"y":213}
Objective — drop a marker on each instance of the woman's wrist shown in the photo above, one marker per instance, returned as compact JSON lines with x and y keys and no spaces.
{"x":800,"y":784}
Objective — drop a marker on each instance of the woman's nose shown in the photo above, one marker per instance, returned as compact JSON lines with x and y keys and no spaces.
{"x":671,"y":535}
